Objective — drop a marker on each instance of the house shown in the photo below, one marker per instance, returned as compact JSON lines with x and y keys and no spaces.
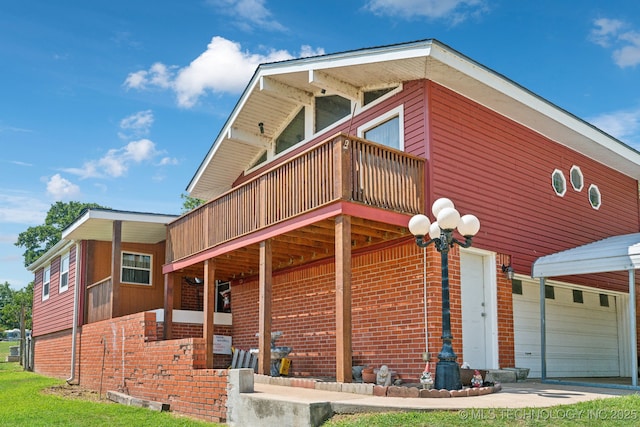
{"x":310,"y":185}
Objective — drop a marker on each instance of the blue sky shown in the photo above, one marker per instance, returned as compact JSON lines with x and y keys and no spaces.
{"x":117,"y":102}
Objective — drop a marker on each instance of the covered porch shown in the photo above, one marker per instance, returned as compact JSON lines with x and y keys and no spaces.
{"x":341,"y":196}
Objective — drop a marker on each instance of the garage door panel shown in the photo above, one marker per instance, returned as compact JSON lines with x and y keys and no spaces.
{"x":581,"y":339}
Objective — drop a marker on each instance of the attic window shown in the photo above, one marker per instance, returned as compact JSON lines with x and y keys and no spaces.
{"x":372,"y":95}
{"x":292,"y":134}
{"x":330,"y":109}
{"x":594,"y":196}
{"x":577,"y":180}
{"x":559,"y":182}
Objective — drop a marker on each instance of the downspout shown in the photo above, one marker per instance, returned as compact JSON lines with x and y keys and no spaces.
{"x":76,"y":303}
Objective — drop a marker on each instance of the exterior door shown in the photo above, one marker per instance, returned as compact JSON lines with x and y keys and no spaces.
{"x":476,"y":311}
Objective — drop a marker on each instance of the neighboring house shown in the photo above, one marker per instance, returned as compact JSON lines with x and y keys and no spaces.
{"x":310,"y":186}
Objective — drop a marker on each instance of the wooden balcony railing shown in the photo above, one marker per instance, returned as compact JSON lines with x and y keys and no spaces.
{"x":99,"y":301}
{"x":341,"y":168}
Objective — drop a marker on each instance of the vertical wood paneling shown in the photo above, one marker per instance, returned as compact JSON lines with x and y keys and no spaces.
{"x":340,"y":168}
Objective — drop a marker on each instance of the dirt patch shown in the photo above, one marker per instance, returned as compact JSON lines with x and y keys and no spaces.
{"x":76,"y":392}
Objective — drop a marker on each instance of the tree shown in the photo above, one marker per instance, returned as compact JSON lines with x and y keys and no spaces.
{"x":11,"y":305}
{"x":39,"y":239}
{"x":190,"y":203}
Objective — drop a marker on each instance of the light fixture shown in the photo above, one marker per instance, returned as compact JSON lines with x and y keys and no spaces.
{"x":508,"y":270}
{"x":193,"y":281}
{"x":441,"y":235}
{"x":261,"y":126}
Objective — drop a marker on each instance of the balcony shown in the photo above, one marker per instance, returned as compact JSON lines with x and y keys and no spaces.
{"x":343,"y":169}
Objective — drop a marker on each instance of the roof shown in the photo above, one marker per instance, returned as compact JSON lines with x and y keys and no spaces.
{"x":615,"y":253}
{"x":278,"y":90}
{"x":97,"y":224}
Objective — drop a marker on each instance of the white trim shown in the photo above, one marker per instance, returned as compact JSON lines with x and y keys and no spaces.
{"x":387,"y":116}
{"x":576,"y":168}
{"x":564,"y":182}
{"x":46,"y":258}
{"x":118,"y":216}
{"x":122,"y":267}
{"x":594,"y":187}
{"x":62,"y":289}
{"x":47,"y":269}
{"x":195,"y":317}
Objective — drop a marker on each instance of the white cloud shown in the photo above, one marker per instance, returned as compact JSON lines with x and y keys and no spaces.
{"x":248,"y":14}
{"x":166,"y":161}
{"x":223,"y":68}
{"x":22,"y":209}
{"x":454,"y":10}
{"x":615,"y":34}
{"x":623,"y":125}
{"x":137,"y":124}
{"x":116,"y":162}
{"x":60,"y":188}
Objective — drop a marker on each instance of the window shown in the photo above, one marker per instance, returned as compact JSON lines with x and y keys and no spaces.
{"x":559,"y":182}
{"x":387,"y":129}
{"x":64,"y":273}
{"x":372,"y":95}
{"x":604,"y":300}
{"x":136,"y":268}
{"x":577,"y":296}
{"x":292,"y":134}
{"x":516,"y":287}
{"x":330,"y":109}
{"x":549,"y":292}
{"x":594,"y":196}
{"x":46,"y":281}
{"x":223,"y":295}
{"x":577,"y":180}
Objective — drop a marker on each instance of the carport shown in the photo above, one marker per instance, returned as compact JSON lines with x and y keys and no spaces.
{"x":613,"y":254}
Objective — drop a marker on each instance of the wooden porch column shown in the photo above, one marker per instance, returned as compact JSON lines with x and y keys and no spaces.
{"x":265,"y":283}
{"x":168,"y":306}
{"x":209,"y":309}
{"x":343,"y":299}
{"x":116,"y":266}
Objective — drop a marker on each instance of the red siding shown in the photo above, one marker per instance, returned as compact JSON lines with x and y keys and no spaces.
{"x":501,"y":171}
{"x":56,"y":313}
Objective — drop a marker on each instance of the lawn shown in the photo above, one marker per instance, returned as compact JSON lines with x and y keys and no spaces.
{"x":24,"y":402}
{"x":615,"y":411}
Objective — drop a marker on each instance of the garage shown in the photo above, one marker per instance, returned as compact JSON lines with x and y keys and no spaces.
{"x":582,"y":324}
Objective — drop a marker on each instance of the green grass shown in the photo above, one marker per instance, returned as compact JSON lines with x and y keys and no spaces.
{"x":615,"y":411}
{"x":22,"y":403}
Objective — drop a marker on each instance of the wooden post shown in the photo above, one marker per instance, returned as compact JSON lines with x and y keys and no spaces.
{"x":265,"y":283}
{"x":343,"y":299}
{"x":209,"y":309}
{"x":116,"y":267}
{"x":168,"y":306}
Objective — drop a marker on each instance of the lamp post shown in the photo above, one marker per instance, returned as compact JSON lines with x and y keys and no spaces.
{"x":441,"y":235}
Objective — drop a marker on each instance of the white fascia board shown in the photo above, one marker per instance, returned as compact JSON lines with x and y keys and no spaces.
{"x":520,"y":94}
{"x":117,"y":216}
{"x":58,"y":249}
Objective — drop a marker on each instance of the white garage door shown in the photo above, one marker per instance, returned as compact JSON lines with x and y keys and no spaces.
{"x":582,"y":337}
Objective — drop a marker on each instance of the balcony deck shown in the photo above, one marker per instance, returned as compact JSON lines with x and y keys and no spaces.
{"x":300,"y":197}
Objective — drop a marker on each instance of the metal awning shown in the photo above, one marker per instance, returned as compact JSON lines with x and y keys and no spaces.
{"x":617,"y":253}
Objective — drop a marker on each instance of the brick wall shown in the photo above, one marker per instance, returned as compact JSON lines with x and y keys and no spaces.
{"x":52,"y":354}
{"x":194,"y":330}
{"x":387,"y":311}
{"x":123,"y":354}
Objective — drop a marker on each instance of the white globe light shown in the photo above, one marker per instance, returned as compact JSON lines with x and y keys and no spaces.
{"x":448,"y":218}
{"x":469,"y":225}
{"x":440,"y":204}
{"x":419,"y":225}
{"x":434,"y":230}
